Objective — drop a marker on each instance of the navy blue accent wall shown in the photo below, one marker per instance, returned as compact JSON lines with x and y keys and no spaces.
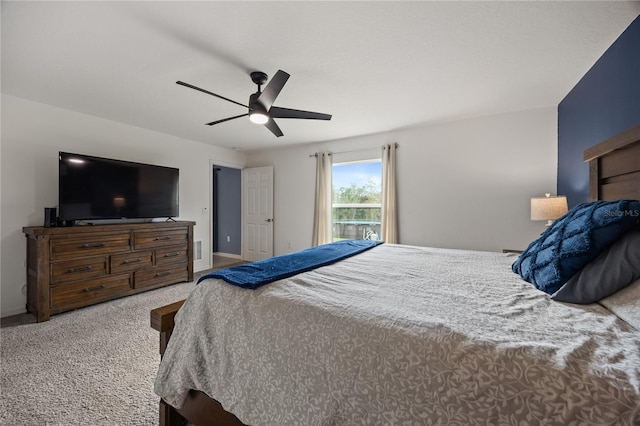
{"x":605,"y":102}
{"x":227,"y":212}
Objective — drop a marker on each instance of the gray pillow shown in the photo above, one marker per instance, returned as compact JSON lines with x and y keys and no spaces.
{"x":615,"y":268}
{"x":626,"y":304}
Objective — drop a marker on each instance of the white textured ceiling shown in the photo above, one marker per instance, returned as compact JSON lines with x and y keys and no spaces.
{"x":375,"y":66}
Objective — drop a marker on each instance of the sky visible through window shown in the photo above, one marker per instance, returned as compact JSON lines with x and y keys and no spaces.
{"x":344,"y":175}
{"x":357,"y":194}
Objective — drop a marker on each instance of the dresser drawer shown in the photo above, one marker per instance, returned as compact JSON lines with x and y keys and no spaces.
{"x":80,"y":269}
{"x":169,"y":255}
{"x":158,"y":276}
{"x":146,"y":240}
{"x":89,"y":245}
{"x":128,"y":262}
{"x":84,"y":293}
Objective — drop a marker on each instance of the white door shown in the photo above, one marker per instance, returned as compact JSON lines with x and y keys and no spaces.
{"x":258,"y":213}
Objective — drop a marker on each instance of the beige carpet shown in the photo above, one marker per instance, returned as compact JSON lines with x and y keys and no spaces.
{"x":92,"y":366}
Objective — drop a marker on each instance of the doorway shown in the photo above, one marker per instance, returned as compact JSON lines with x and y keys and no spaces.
{"x":226,"y":216}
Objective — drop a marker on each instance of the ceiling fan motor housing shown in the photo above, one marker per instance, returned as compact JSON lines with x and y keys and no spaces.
{"x":254,"y":105}
{"x":259,"y":78}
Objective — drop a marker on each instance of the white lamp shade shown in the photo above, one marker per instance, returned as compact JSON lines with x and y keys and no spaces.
{"x":548,"y":208}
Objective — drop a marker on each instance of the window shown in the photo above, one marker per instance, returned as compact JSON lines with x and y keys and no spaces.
{"x":357,"y":200}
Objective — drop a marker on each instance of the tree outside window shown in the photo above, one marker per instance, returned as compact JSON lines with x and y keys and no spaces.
{"x":357,"y":200}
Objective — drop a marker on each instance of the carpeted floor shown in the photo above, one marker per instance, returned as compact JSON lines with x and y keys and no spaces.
{"x":92,"y":366}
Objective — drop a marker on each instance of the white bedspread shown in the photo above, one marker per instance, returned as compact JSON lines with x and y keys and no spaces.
{"x":403,"y":335}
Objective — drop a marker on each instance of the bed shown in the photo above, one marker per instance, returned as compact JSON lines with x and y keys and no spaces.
{"x":417,"y":336}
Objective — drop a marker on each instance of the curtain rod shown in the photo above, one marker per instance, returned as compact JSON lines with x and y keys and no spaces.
{"x":349,"y":152}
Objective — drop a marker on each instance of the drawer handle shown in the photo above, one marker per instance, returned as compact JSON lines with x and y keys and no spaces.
{"x":82,"y":269}
{"x":162,"y":274}
{"x":172,"y":254}
{"x":130,"y":261}
{"x":166,"y":237}
{"x":100,"y":287}
{"x":94,"y":245}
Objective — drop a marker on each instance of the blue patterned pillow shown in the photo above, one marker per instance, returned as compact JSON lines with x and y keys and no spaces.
{"x":573,"y":241}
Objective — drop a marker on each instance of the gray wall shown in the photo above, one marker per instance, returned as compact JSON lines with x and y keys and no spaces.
{"x":462,"y":184}
{"x":227,"y":213}
{"x":29,"y":174}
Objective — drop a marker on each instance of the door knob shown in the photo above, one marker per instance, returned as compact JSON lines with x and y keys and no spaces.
{"x":268,"y":220}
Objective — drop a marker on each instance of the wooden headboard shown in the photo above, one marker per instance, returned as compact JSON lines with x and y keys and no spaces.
{"x":614,"y":167}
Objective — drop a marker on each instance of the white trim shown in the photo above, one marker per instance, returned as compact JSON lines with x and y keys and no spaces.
{"x":357,"y":206}
{"x":12,"y":312}
{"x":228,"y":255}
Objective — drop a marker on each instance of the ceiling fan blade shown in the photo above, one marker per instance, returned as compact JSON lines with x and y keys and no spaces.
{"x":271,"y":125}
{"x":277,"y":112}
{"x":226,"y":119}
{"x":209,"y":93}
{"x":273,"y":88}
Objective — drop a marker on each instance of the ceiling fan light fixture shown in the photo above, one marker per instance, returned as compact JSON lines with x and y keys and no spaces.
{"x":260,"y":106}
{"x":258,"y":117}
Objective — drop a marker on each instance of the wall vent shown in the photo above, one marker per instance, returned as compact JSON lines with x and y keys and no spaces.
{"x":197,"y":250}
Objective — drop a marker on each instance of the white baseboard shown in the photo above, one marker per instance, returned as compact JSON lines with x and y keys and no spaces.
{"x":229,"y":255}
{"x":13,"y":311}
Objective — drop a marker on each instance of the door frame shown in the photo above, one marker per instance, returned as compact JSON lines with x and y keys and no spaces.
{"x":240,"y":167}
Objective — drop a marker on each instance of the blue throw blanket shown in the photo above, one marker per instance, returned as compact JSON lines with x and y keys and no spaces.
{"x":256,"y":274}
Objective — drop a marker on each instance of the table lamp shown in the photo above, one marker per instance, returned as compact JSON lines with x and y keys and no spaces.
{"x":548,"y":208}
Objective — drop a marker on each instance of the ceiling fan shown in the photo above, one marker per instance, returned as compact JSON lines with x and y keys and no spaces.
{"x":261,"y":109}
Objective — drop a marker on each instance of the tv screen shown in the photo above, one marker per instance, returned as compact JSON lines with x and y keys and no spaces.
{"x":93,"y":188}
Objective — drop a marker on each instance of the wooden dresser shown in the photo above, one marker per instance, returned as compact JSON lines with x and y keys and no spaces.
{"x":76,"y":266}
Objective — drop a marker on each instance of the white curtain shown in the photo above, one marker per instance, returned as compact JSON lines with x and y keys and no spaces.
{"x":389,"y":227}
{"x":322,"y":228}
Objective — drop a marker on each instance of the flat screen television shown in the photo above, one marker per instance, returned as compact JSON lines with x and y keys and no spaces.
{"x":94,"y":188}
